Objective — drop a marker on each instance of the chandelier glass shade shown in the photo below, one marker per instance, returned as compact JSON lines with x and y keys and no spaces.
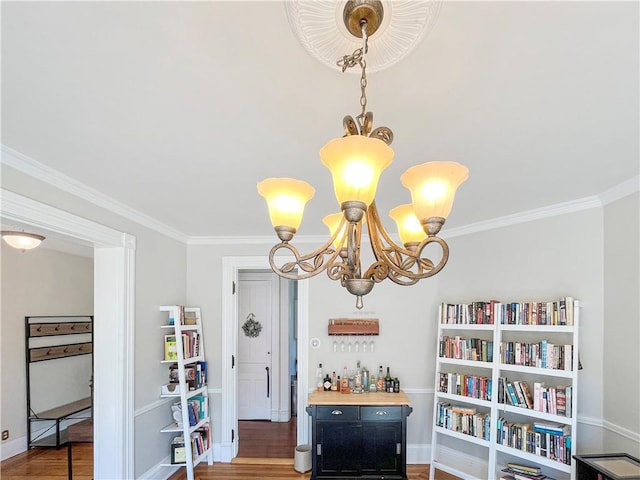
{"x":356,"y":162}
{"x":22,"y":240}
{"x":410,"y":230}
{"x":286,"y":199}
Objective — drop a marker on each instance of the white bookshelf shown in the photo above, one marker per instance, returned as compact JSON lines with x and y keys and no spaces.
{"x":471,"y":457}
{"x":188,"y":321}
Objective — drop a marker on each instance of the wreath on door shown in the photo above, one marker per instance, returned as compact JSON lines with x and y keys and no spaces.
{"x":252,"y":327}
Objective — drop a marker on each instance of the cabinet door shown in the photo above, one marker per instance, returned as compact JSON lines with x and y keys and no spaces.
{"x":382,"y":448}
{"x":338,"y":448}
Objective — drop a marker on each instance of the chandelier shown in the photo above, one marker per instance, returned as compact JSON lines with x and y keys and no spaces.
{"x":356,"y":161}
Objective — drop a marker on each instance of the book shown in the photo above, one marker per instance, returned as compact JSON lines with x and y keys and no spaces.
{"x":519,"y":475}
{"x":512,"y":394}
{"x":178,"y":450}
{"x":524,"y":468}
{"x":519,"y":393}
{"x":553,"y":429}
{"x":170,"y":347}
{"x":463,"y":409}
{"x":527,"y":394}
{"x":501,"y":390}
{"x":561,"y":400}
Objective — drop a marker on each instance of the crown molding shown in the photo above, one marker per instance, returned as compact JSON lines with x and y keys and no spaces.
{"x":526,"y":216}
{"x":253,"y":240}
{"x":28,"y":166}
{"x":48,"y":175}
{"x":626,"y":188}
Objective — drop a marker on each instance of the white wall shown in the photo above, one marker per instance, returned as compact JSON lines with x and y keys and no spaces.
{"x":621,"y":387}
{"x":40,"y":282}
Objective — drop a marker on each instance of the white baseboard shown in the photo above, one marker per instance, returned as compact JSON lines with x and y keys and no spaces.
{"x":223,"y":452}
{"x":159,"y":472}
{"x":280,"y":415}
{"x":11,"y":448}
{"x":419,"y":454}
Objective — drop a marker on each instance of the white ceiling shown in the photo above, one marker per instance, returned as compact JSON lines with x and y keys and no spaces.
{"x":178,"y":109}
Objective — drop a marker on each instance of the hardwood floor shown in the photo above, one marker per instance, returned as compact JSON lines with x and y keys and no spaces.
{"x":258,"y":440}
{"x":262,"y":439}
{"x":49,"y":463}
{"x":231,"y":471}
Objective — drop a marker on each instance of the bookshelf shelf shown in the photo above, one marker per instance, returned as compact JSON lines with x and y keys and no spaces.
{"x":465,"y":399}
{"x":535,"y":459}
{"x":190,"y":440}
{"x":519,"y":340}
{"x":466,"y":363}
{"x":190,"y":393}
{"x":463,"y":436}
{"x":551,"y":372}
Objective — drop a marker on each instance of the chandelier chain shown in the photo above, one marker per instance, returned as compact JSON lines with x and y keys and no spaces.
{"x":363,"y":77}
{"x":358,"y":58}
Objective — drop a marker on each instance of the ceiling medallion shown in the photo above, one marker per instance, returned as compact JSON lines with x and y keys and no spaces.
{"x":324,"y":33}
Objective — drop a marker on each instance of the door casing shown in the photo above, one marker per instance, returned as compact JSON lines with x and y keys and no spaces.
{"x":231,"y":266}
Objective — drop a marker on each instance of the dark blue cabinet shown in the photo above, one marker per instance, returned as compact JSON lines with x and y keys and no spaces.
{"x":363,"y":441}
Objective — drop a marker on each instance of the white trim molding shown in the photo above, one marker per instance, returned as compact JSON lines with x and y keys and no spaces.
{"x":50,"y":176}
{"x":621,"y":190}
{"x":622,"y":431}
{"x":39,"y":171}
{"x":527,"y":216}
{"x":231,"y":267}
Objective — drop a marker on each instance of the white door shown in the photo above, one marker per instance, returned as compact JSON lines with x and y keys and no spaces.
{"x":257,"y":295}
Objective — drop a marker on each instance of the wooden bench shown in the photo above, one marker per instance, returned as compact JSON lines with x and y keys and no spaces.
{"x":57,"y":415}
{"x":78,"y":432}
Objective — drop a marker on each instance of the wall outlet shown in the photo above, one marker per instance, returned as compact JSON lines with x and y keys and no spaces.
{"x":5,"y":435}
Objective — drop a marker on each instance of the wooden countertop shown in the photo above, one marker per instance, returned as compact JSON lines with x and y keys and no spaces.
{"x":377,"y":398}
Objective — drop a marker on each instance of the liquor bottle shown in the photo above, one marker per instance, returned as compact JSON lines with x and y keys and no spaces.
{"x":344,"y":388}
{"x":380,"y":379}
{"x":358,"y":379}
{"x":338,"y":384}
{"x":388,"y":382}
{"x":396,"y":385}
{"x":373,"y":383}
{"x":327,"y":383}
{"x":334,"y":382}
{"x":319,"y":378}
{"x":366,"y":379}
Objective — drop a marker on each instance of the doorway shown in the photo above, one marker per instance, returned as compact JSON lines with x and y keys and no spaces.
{"x":232,"y":267}
{"x":259,"y":347}
{"x":266,"y":365}
{"x":114,"y":269}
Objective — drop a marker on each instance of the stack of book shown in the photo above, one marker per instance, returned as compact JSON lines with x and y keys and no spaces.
{"x":515,"y":471}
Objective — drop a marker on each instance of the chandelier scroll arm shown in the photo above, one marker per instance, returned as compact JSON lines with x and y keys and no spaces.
{"x":401,"y":262}
{"x":323,"y":258}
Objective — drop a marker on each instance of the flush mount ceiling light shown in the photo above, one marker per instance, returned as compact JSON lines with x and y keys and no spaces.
{"x":356,"y":161}
{"x":21,"y":240}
